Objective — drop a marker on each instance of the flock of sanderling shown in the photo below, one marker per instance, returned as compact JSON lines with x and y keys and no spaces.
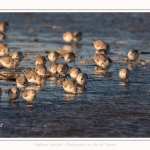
{"x":37,"y":74}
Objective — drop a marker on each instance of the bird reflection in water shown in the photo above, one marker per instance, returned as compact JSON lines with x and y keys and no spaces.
{"x":67,"y":47}
{"x":13,"y":103}
{"x":68,"y":96}
{"x":36,"y":88}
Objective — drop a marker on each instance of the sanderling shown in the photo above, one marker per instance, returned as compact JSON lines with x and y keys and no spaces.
{"x":17,"y":56}
{"x":3,"y":26}
{"x":82,"y":79}
{"x":133,"y":54}
{"x":40,"y":60}
{"x":21,"y":81}
{"x":13,"y":93}
{"x":62,"y":69}
{"x":53,"y":56}
{"x":74,"y":72}
{"x":103,"y":61}
{"x":77,"y":36}
{"x":124,"y":73}
{"x":101,"y":45}
{"x":67,"y":36}
{"x":29,"y":95}
{"x":69,"y":86}
{"x":8,"y":62}
{"x":40,"y":70}
{"x":4,"y":51}
{"x":1,"y":92}
{"x":33,"y":77}
{"x":53,"y":68}
{"x":69,"y":57}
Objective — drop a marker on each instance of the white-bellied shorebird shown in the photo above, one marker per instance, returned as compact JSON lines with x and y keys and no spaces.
{"x":40,"y":60}
{"x":40,"y":70}
{"x":73,"y":72}
{"x":62,"y":69}
{"x":17,"y":56}
{"x":67,"y":37}
{"x":3,"y":26}
{"x":69,"y":57}
{"x":101,"y":45}
{"x":82,"y":79}
{"x":8,"y":62}
{"x":124,"y":74}
{"x":4,"y":50}
{"x":103,"y":61}
{"x":29,"y":95}
{"x":133,"y":54}
{"x":69,"y":86}
{"x":33,"y":77}
{"x":77,"y":36}
{"x":53,"y":68}
{"x":13,"y":93}
{"x":21,"y":81}
{"x":53,"y":56}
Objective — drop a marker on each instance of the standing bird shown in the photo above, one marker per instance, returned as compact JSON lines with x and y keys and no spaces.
{"x":4,"y":51}
{"x":13,"y":93}
{"x":21,"y":81}
{"x":3,"y":26}
{"x":53,"y":68}
{"x":53,"y":56}
{"x":77,"y":36}
{"x":69,"y":57}
{"x":8,"y":62}
{"x":101,"y":45}
{"x":17,"y":56}
{"x":124,"y":73}
{"x":29,"y":95}
{"x":69,"y":86}
{"x":62,"y":69}
{"x":103,"y":61}
{"x":74,"y":72}
{"x":33,"y":77}
{"x":67,"y":37}
{"x":40,"y":70}
{"x":133,"y":55}
{"x":40,"y":60}
{"x":82,"y":79}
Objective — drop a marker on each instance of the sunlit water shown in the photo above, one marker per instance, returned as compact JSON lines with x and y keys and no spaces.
{"x":106,"y":108}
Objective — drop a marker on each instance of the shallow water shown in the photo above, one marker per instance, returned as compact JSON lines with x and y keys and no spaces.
{"x":106,"y":108}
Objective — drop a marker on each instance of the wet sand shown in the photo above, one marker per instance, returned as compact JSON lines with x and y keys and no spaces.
{"x":106,"y":108}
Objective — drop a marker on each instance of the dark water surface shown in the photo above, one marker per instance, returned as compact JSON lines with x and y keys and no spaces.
{"x":105,"y":108}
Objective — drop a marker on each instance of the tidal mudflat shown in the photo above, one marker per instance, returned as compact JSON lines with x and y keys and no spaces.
{"x":106,"y":107}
